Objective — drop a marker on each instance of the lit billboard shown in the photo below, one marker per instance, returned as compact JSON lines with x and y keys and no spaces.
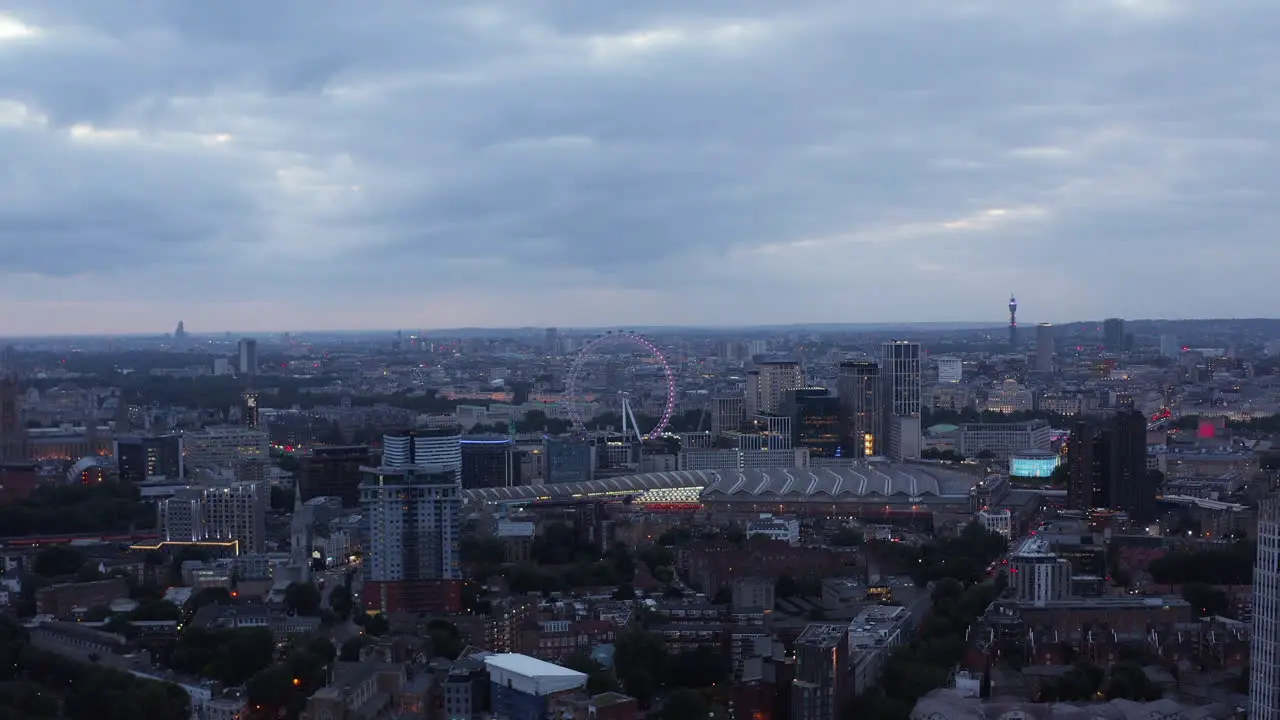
{"x":1033,"y":466}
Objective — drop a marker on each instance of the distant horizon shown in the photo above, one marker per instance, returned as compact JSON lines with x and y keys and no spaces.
{"x":821,"y":326}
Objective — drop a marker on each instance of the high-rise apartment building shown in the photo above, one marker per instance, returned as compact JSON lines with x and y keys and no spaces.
{"x":1044,"y":348}
{"x":141,"y":458}
{"x":822,"y":686}
{"x":1264,"y":656}
{"x":334,"y":471}
{"x":768,"y":384}
{"x":413,"y":519}
{"x":1107,"y":466}
{"x":248,"y":357}
{"x":436,"y":446}
{"x":861,"y":408}
{"x":1113,"y":334}
{"x":235,"y":512}
{"x":1038,"y":575}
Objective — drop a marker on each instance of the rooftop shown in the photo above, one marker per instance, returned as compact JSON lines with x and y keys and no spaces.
{"x":865,"y":480}
{"x":822,"y":634}
{"x":530,"y":667}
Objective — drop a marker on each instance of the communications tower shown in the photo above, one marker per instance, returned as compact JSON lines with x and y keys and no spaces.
{"x":1013,"y":321}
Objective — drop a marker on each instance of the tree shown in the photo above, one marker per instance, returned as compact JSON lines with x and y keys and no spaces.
{"x":58,"y":561}
{"x":351,"y":649}
{"x":685,"y":704}
{"x":303,"y":598}
{"x":340,"y":601}
{"x":637,"y":658}
{"x":847,"y":537}
{"x":1206,"y":599}
{"x":479,"y":550}
{"x":376,"y":625}
{"x":599,"y":679}
{"x":626,"y":591}
{"x":785,"y":586}
{"x":162,"y":610}
{"x":445,"y":639}
{"x":97,"y":613}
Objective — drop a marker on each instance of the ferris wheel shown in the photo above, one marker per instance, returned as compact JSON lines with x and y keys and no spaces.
{"x":591,"y":351}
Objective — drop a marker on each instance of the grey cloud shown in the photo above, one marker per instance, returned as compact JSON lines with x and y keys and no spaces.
{"x":406,"y":141}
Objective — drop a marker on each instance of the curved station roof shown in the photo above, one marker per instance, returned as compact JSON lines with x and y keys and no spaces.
{"x":865,"y":482}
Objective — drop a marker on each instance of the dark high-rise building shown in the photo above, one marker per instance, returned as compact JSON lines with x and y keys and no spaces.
{"x":1113,"y":335}
{"x":489,"y":461}
{"x":568,"y":459}
{"x":1107,"y":466}
{"x":520,"y":390}
{"x":248,"y":357}
{"x":815,"y":421}
{"x":861,"y":408}
{"x":140,"y":458}
{"x":13,"y":445}
{"x":334,"y":471}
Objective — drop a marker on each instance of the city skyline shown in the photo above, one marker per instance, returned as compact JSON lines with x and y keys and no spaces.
{"x":258,"y":167}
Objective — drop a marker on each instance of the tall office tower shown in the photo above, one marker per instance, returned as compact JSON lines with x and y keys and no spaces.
{"x":1044,"y":348}
{"x":489,"y":461}
{"x":1169,"y":346}
{"x":774,"y":379}
{"x":1107,"y":466}
{"x":439,"y":447}
{"x":413,"y":521}
{"x":334,"y":471}
{"x":815,"y":421}
{"x":1013,"y":322}
{"x":950,"y":369}
{"x":551,"y":341}
{"x":226,"y":513}
{"x":249,"y":409}
{"x":727,"y":413}
{"x":143,"y":458}
{"x":900,"y":370}
{"x":1113,"y":334}
{"x":248,"y":357}
{"x":861,"y":408}
{"x":1264,"y":657}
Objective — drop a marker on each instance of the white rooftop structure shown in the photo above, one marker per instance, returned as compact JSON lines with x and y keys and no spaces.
{"x":532,"y":676}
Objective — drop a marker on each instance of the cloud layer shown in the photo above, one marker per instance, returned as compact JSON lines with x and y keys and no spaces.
{"x":300,"y":165}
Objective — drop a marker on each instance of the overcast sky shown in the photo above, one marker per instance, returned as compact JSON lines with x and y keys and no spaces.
{"x":313,"y":164}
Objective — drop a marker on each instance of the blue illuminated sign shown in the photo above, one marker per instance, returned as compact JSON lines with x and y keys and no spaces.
{"x":1033,"y":467}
